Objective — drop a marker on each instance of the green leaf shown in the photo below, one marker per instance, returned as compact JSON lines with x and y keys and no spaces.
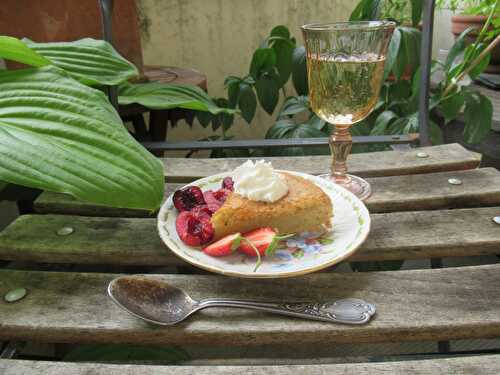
{"x":451,"y":106}
{"x":281,"y":31}
{"x":247,"y":102}
{"x":416,"y":11}
{"x":299,"y":71}
{"x":233,"y":92}
{"x":288,"y":129}
{"x":435,"y":133}
{"x":267,"y":88}
{"x":359,"y":12}
{"x":413,"y":40}
{"x":475,"y":50}
{"x":382,"y":122}
{"x":204,"y":118}
{"x":294,"y":105}
{"x":284,"y":51}
{"x":225,"y":119}
{"x":90,"y":61}
{"x":156,"y":95}
{"x":367,"y":10}
{"x":263,"y":60}
{"x":126,"y":352}
{"x":401,"y":60}
{"x":59,"y":135}
{"x":457,"y":48}
{"x":317,"y":122}
{"x":478,"y":116}
{"x":15,"y":50}
{"x":392,"y":52}
{"x":399,"y":90}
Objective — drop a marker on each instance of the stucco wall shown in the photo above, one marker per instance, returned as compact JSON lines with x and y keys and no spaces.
{"x":217,"y":37}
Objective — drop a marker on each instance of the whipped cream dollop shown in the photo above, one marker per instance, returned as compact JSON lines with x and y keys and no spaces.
{"x":259,"y":182}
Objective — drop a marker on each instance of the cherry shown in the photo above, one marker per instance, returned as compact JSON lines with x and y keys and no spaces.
{"x":228,"y":183}
{"x":194,"y":228}
{"x":188,"y":198}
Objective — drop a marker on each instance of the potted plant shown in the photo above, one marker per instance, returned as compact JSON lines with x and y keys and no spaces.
{"x":473,"y":15}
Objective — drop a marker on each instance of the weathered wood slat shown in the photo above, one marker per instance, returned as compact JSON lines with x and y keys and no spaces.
{"x":398,"y":193}
{"x":471,"y":365}
{"x":401,"y":235}
{"x":387,"y":163}
{"x":419,"y":305}
{"x":480,"y":187}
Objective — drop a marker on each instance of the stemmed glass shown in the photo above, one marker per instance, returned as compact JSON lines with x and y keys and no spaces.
{"x":345,"y":68}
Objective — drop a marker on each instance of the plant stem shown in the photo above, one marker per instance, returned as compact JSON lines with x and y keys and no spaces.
{"x":475,"y":62}
{"x":257,"y":252}
{"x":487,"y":23}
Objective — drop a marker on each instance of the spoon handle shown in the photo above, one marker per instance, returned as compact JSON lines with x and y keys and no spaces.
{"x":346,"y":311}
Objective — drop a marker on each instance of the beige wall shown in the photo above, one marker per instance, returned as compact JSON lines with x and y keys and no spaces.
{"x":217,"y":37}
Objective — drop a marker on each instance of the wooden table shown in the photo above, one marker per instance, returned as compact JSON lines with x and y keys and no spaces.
{"x":416,"y":214}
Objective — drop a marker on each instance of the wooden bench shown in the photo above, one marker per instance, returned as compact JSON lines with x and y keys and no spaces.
{"x":416,"y":214}
{"x":476,"y":365}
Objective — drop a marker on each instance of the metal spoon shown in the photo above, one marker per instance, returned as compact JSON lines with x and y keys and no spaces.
{"x":155,"y":301}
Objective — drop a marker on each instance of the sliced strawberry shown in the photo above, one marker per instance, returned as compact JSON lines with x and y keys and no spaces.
{"x":225,"y":246}
{"x":265,"y":240}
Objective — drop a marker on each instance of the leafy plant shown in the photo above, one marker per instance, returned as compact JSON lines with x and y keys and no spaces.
{"x":471,"y":7}
{"x":91,"y":62}
{"x":59,"y":134}
{"x":397,"y":109}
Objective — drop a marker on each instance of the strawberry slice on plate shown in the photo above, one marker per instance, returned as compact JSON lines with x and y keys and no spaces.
{"x":263,"y":241}
{"x":225,"y":246}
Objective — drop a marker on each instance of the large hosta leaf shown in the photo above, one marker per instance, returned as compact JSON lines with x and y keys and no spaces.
{"x":15,"y":50}
{"x":157,"y":95}
{"x":59,"y":135}
{"x":92,"y":62}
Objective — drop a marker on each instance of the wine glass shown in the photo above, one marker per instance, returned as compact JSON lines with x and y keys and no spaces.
{"x":345,"y":69}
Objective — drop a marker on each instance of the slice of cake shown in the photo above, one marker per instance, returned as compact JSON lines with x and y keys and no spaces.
{"x":304,"y":208}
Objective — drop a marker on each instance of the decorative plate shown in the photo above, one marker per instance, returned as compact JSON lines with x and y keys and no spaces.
{"x":301,"y":254}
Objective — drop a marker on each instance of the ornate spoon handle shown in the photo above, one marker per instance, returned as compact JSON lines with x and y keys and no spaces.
{"x":346,"y":311}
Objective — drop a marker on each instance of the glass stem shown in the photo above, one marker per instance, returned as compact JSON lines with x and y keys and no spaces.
{"x":340,"y":146}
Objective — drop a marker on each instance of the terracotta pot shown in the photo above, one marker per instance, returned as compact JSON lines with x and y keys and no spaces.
{"x":461,"y":22}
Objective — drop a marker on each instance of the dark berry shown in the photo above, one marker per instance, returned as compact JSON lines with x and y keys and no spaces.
{"x":188,"y":198}
{"x":213,"y":203}
{"x":194,"y":229}
{"x":221,"y":194}
{"x":228,"y":183}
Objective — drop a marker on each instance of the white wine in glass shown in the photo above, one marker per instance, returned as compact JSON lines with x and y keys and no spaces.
{"x":345,"y":66}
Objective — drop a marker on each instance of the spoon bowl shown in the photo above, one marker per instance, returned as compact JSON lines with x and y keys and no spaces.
{"x":151,"y":299}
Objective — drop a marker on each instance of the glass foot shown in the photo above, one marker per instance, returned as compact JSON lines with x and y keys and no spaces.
{"x":356,"y":185}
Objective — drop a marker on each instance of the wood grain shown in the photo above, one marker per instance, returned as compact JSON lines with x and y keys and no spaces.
{"x":480,"y":187}
{"x":131,"y":241}
{"x":471,"y":365}
{"x":387,"y":163}
{"x":425,"y":305}
{"x":430,"y":191}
